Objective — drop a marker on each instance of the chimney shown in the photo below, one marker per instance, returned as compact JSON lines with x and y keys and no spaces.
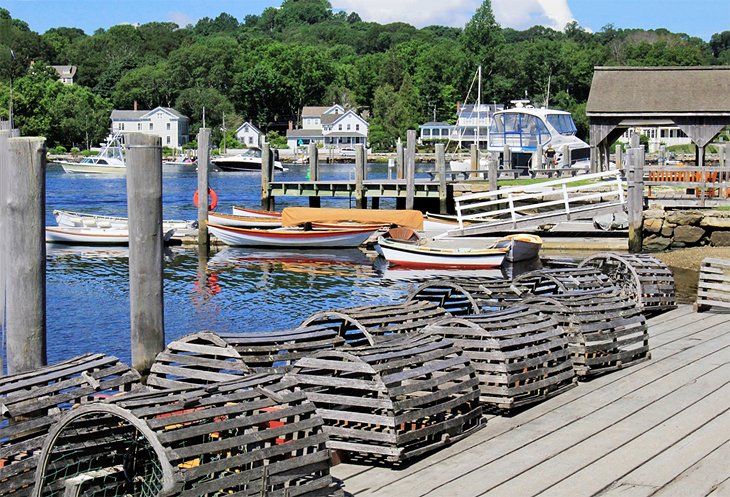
{"x":291,"y":125}
{"x":135,"y":105}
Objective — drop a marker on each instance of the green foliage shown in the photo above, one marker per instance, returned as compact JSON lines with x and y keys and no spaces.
{"x":59,"y":150}
{"x":74,"y":150}
{"x":276,"y":140}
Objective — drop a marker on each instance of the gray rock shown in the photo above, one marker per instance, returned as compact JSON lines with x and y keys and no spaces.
{"x":653,"y":225}
{"x":654,"y":214}
{"x":716,"y":221}
{"x":654,"y":243}
{"x":720,"y":238}
{"x":684,"y":218}
{"x":668,"y":229}
{"x":688,"y":234}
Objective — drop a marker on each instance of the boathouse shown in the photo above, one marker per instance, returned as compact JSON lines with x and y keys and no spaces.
{"x":695,"y":99}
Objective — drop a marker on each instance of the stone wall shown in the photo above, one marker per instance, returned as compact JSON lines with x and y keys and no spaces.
{"x":664,"y":229}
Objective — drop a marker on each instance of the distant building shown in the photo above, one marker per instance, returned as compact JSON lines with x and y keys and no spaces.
{"x":66,"y":74}
{"x":657,"y":136}
{"x":472,"y":121}
{"x":333,"y":126}
{"x":165,"y":122}
{"x":249,"y":135}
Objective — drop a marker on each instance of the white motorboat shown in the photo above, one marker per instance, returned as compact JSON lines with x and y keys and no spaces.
{"x":80,"y":219}
{"x":84,"y":235}
{"x":290,"y":237}
{"x":250,"y":160}
{"x":109,"y":161}
{"x":180,"y":163}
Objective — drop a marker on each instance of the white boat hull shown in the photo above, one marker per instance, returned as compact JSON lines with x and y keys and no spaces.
{"x":92,"y":236}
{"x":423,"y":256}
{"x":243,"y":211}
{"x":290,"y":238}
{"x":244,"y":221}
{"x":80,"y":219}
{"x":71,"y":167}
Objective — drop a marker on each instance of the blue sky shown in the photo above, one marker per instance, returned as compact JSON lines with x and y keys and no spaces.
{"x":699,"y":18}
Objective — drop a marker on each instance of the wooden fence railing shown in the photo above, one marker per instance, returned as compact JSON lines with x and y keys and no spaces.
{"x":714,"y":180}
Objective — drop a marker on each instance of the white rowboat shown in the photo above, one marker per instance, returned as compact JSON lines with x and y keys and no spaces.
{"x":243,"y":211}
{"x":92,"y":236}
{"x":290,"y":237}
{"x":82,"y":219}
{"x":421,"y":253}
{"x":244,"y":221}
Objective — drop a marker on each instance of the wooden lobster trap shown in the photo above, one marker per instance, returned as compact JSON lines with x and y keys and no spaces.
{"x":563,"y":280}
{"x":464,"y":296}
{"x":253,"y":436}
{"x":713,"y":287}
{"x":641,"y":277}
{"x":399,"y":398}
{"x":606,"y":331}
{"x":31,"y":402}
{"x":520,"y":354}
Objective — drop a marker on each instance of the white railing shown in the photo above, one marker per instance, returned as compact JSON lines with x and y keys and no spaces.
{"x":517,"y":204}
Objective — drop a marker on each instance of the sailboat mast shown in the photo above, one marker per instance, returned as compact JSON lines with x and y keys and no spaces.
{"x":479,"y":103}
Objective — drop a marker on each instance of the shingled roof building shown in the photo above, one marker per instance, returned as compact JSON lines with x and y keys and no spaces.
{"x":695,"y":99}
{"x":165,"y":122}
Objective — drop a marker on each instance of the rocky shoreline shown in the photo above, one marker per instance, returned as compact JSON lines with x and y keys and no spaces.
{"x":666,"y":228}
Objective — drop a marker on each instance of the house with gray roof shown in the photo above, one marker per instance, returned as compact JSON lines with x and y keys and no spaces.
{"x":333,"y":126}
{"x":66,"y":74}
{"x":249,"y":135}
{"x":173,"y":127}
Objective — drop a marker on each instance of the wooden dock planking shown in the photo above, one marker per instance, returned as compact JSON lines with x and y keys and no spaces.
{"x":606,"y":435}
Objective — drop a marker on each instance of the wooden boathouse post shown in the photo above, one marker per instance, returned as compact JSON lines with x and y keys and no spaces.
{"x":635,"y":197}
{"x":144,"y":204}
{"x":410,"y":168}
{"x":399,"y":160}
{"x":267,"y":167}
{"x":360,"y":201}
{"x":441,"y":171}
{"x":203,"y":160}
{"x":23,"y":174}
{"x":313,"y":172}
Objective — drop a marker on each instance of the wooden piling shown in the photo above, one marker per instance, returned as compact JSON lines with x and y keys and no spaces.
{"x":441,"y":170}
{"x":619,"y":156}
{"x":399,"y":160}
{"x":267,"y":168}
{"x":24,"y":270}
{"x":536,"y":161}
{"x":493,"y":167}
{"x":144,"y":205}
{"x":313,"y":171}
{"x":567,"y":156}
{"x":635,"y":199}
{"x":360,"y":201}
{"x":474,"y":156}
{"x":410,"y":168}
{"x":507,"y":157}
{"x":203,"y":160}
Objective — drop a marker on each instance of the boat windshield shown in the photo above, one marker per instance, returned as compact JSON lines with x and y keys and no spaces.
{"x":518,"y":130}
{"x":252,"y":152}
{"x":563,"y":123}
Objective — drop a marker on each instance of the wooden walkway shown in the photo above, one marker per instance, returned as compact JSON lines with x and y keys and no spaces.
{"x":659,"y":428}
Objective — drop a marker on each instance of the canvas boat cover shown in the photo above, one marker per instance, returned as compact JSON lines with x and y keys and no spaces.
{"x":295,"y":216}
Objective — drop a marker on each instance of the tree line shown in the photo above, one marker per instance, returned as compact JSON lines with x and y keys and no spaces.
{"x":266,"y":67}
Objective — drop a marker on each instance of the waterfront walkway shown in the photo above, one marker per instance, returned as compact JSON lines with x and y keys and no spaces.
{"x":659,"y":428}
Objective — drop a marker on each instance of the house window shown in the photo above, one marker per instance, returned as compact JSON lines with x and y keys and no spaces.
{"x":168,"y":140}
{"x":340,"y":127}
{"x":121,"y":126}
{"x":348,"y":127}
{"x":357,"y":127}
{"x":139,"y":126}
{"x":168,"y":126}
{"x":250,"y":140}
{"x":151,"y":126}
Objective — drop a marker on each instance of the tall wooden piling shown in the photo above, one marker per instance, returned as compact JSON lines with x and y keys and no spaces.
{"x":619,"y":156}
{"x":410,"y":168}
{"x":635,"y":199}
{"x":267,"y":169}
{"x":507,"y":157}
{"x":493,"y":167}
{"x":203,"y":160}
{"x":24,"y":270}
{"x":441,"y":170}
{"x":474,"y":156}
{"x":313,"y":172}
{"x":360,"y":201}
{"x":144,"y":205}
{"x":399,"y":160}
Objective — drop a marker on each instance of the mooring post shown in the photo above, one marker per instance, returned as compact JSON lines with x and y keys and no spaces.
{"x":24,"y":270}
{"x":399,"y":160}
{"x":267,"y":166}
{"x":536,"y":161}
{"x":313,"y":172}
{"x":474,"y":157}
{"x":635,"y":198}
{"x":144,"y":205}
{"x":493,"y":167}
{"x":203,"y":160}
{"x":619,"y":156}
{"x":360,"y":202}
{"x":507,"y":157}
{"x":410,"y":168}
{"x":441,"y":171}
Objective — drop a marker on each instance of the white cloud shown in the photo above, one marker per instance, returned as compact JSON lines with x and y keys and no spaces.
{"x":180,"y":18}
{"x":517,"y":14}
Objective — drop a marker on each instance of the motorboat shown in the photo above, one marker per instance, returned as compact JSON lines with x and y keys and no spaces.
{"x":244,"y":221}
{"x":109,"y":161}
{"x":290,"y":237}
{"x":522,"y":246}
{"x":250,"y":160}
{"x":404,"y":247}
{"x":86,"y":220}
{"x":180,"y":163}
{"x":245,"y":211}
{"x":526,"y":129}
{"x":85,"y":235}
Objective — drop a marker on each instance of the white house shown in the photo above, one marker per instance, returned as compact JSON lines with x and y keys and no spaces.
{"x":66,"y":74}
{"x":333,"y":126}
{"x":249,"y":135}
{"x":657,"y":136}
{"x":165,"y":122}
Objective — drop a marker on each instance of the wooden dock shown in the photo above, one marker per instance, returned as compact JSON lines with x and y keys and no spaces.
{"x":658,"y":428}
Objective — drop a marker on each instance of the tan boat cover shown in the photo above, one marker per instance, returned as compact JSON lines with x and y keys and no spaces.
{"x":294,"y":216}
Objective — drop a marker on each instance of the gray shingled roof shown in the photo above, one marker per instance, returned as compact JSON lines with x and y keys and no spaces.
{"x":670,"y":91}
{"x":304,"y":133}
{"x":136,"y":115}
{"x":312,"y":111}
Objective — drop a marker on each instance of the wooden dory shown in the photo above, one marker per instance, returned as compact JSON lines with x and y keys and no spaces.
{"x":81,"y":235}
{"x":267,"y":222}
{"x":522,"y":246}
{"x":290,"y":237}
{"x":426,"y":254}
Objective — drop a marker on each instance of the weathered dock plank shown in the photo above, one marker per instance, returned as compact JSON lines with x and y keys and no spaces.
{"x":598,"y":436}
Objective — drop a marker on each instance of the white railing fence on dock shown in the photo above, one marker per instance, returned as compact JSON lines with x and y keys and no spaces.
{"x":564,"y":199}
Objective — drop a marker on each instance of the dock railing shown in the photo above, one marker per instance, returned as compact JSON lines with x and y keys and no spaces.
{"x":564,"y":199}
{"x":708,"y":181}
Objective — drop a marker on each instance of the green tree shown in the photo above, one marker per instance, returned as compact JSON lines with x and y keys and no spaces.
{"x":482,"y":35}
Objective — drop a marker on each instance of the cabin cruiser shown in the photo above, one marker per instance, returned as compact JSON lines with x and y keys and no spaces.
{"x":250,"y":160}
{"x":109,"y":161}
{"x":526,"y":129}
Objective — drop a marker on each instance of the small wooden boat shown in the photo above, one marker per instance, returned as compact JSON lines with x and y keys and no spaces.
{"x":81,"y":219}
{"x":243,"y":221}
{"x":412,"y":251}
{"x":84,"y":235}
{"x":522,"y":246}
{"x":244,"y":211}
{"x":290,"y":237}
